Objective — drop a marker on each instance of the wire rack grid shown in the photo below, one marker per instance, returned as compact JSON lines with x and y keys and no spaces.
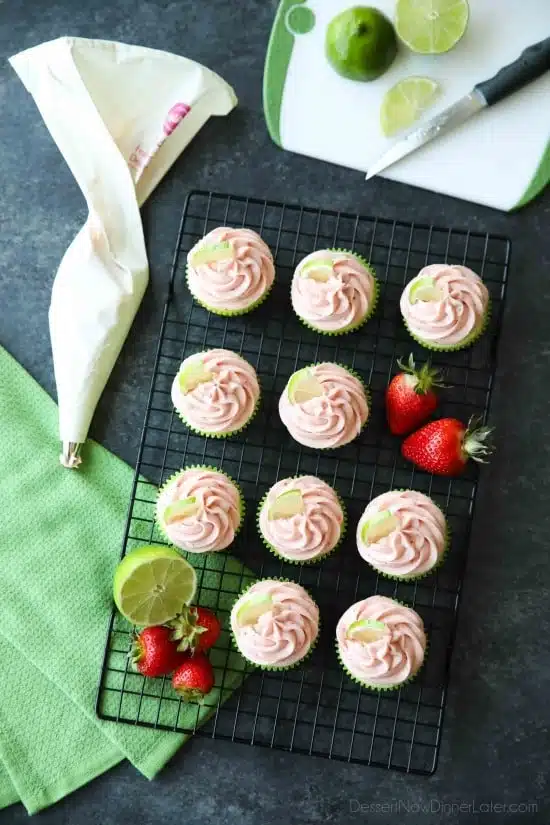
{"x":315,"y":708}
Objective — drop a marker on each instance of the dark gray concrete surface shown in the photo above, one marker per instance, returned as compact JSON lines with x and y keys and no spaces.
{"x":495,"y":743}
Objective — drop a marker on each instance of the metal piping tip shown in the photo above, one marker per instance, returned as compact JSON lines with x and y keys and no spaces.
{"x":70,"y":457}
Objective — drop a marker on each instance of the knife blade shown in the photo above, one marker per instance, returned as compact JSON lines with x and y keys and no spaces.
{"x":532,"y":63}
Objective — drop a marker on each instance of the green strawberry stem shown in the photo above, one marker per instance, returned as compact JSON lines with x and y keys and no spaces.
{"x":186,"y":630}
{"x":474,"y":442}
{"x":425,"y":378}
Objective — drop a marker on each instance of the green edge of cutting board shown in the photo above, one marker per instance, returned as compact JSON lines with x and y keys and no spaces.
{"x":539,"y":181}
{"x":293,"y":18}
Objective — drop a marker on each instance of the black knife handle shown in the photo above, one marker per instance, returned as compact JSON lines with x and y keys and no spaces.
{"x":532,"y":62}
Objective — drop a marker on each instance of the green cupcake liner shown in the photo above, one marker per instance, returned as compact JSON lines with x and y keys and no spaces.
{"x":439,"y":562}
{"x":228,"y":313}
{"x":173,"y":477}
{"x":206,"y":434}
{"x":385,"y":688}
{"x":370,"y":310}
{"x":279,"y":668}
{"x":468,"y":341}
{"x":317,"y":559}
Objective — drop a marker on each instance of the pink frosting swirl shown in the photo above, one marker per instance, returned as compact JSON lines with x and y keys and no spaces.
{"x":393,"y":658}
{"x":459,"y":314}
{"x":342,"y":301}
{"x":238,"y":282}
{"x":283,"y":635}
{"x":308,"y":535}
{"x":217,"y":519}
{"x":332,"y":419}
{"x":416,"y":545}
{"x":226,"y":402}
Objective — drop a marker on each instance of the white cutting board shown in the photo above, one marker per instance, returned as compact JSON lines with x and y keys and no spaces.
{"x":500,"y":158}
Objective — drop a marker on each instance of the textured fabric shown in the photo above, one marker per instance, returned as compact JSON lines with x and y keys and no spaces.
{"x":60,"y":538}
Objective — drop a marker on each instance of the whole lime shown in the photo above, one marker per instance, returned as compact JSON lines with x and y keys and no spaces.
{"x":360,"y":43}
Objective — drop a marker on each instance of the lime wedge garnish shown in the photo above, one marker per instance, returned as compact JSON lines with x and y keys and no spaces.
{"x":366,"y":630}
{"x":405,"y":102}
{"x":152,"y":584}
{"x":431,"y":26}
{"x":179,"y":510}
{"x":425,"y":289}
{"x":379,"y":526}
{"x":192,"y":375}
{"x":286,"y":505}
{"x":253,"y":607}
{"x":209,"y":253}
{"x":318,"y":270}
{"x":303,"y":386}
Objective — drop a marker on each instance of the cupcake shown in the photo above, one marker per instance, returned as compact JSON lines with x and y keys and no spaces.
{"x":445,"y":307}
{"x":216,"y":392}
{"x":275,"y":624}
{"x":381,"y":643}
{"x":324,"y":405}
{"x":402,"y":534}
{"x":230,"y":271}
{"x":333,"y":291}
{"x":200,"y":510}
{"x":301,"y":519}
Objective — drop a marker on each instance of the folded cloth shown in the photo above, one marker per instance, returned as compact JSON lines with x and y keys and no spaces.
{"x":60,"y":538}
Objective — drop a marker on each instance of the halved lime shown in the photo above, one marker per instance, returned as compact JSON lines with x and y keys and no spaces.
{"x":431,"y":26}
{"x":379,"y":526}
{"x":425,"y":289}
{"x":318,"y":270}
{"x":209,"y":253}
{"x":367,"y":630}
{"x":152,"y":584}
{"x":181,"y":509}
{"x":303,"y":386}
{"x":252,"y":607}
{"x":405,"y":102}
{"x":286,"y":505}
{"x":193,"y":374}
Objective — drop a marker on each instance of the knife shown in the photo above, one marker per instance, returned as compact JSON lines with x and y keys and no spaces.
{"x":532,"y":63}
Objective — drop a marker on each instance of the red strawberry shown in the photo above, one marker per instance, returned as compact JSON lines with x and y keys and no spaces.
{"x":444,"y":447}
{"x":410,"y":398}
{"x":194,"y":678}
{"x":196,"y":629}
{"x":154,"y":653}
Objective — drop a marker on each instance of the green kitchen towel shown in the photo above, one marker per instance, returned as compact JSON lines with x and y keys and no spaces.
{"x":60,"y":538}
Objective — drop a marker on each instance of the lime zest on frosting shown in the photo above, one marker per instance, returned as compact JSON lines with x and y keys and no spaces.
{"x":379,"y":526}
{"x":181,"y":509}
{"x":210,"y":253}
{"x":254,"y":606}
{"x":367,"y":630}
{"x":288,"y":504}
{"x":303,"y":386}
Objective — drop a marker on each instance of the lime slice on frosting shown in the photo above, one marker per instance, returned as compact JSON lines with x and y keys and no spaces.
{"x":152,"y":584}
{"x":379,"y":526}
{"x":431,"y":26}
{"x":425,"y":289}
{"x":253,"y":607}
{"x":286,"y":505}
{"x":210,"y":253}
{"x":366,"y":630}
{"x":303,"y":386}
{"x":181,"y":509}
{"x":318,"y":270}
{"x":405,"y":102}
{"x":193,"y":374}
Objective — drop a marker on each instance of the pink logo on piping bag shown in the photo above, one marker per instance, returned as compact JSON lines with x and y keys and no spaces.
{"x":174,"y":117}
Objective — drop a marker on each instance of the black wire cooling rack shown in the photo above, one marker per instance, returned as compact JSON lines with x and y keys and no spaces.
{"x":316,"y":708}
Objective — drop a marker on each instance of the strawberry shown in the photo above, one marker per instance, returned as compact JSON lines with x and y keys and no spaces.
{"x":154,"y":653}
{"x":444,"y":447}
{"x":410,"y":397}
{"x":196,"y":629}
{"x":194,"y":678}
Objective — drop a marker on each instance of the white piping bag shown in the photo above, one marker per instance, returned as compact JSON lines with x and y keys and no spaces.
{"x":120,"y":116}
